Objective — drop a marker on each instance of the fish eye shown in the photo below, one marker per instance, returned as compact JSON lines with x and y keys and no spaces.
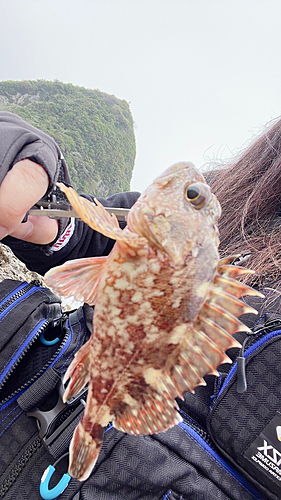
{"x":198,"y":194}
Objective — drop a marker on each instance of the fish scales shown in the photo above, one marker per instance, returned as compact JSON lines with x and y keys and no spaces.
{"x":152,"y":339}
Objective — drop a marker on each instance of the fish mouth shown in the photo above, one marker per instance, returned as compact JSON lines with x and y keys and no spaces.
{"x":178,"y":167}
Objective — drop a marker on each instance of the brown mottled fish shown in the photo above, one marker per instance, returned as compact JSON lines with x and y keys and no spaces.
{"x":165,"y":310}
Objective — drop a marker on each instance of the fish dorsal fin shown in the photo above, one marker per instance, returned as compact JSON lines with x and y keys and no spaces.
{"x":234,"y":287}
{"x":100,"y":220}
{"x":197,"y":355}
{"x":77,"y":278}
{"x":218,"y":318}
{"x":202,"y":347}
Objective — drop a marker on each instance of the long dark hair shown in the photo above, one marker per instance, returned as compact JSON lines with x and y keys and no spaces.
{"x":249,"y":191}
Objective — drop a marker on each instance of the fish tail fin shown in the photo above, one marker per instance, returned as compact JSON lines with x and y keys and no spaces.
{"x":78,"y":372}
{"x":84,"y":449}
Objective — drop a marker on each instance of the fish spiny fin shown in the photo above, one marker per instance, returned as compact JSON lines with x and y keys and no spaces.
{"x":169,"y":388}
{"x":210,"y":349}
{"x":186,"y":382}
{"x":233,"y":271}
{"x":77,"y":278}
{"x":197,"y":356}
{"x":222,"y":306}
{"x":222,"y":318}
{"x":100,"y":220}
{"x":228,"y":260}
{"x":164,"y":409}
{"x":190,"y":371}
{"x":218,"y":334}
{"x":218,"y":316}
{"x":78,"y":372}
{"x":157,"y":414}
{"x":230,"y":303}
{"x":235,"y":287}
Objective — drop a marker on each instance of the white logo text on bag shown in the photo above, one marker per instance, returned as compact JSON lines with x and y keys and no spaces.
{"x":265,"y":454}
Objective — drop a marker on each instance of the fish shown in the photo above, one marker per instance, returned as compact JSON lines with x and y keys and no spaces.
{"x":166,"y":308}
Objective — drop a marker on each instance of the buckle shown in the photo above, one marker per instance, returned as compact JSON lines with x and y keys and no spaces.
{"x":56,"y":427}
{"x":59,"y":423}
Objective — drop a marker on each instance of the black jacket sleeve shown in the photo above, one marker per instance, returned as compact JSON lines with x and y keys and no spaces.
{"x":19,"y":140}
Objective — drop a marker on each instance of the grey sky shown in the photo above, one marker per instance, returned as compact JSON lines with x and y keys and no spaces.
{"x":201,"y":76}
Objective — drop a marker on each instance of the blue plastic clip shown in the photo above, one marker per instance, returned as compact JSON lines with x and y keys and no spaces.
{"x":58,"y":489}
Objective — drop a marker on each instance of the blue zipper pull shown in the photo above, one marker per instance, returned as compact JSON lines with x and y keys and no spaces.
{"x":51,"y":494}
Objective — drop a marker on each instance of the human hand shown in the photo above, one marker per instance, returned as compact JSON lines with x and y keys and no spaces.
{"x":25,"y":184}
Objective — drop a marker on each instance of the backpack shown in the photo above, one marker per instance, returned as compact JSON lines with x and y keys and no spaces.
{"x":209,"y":455}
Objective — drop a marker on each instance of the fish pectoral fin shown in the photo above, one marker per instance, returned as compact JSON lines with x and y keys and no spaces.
{"x":99,"y":219}
{"x":77,"y":278}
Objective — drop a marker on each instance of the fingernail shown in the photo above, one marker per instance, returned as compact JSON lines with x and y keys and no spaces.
{"x":3,"y":232}
{"x":23,"y":231}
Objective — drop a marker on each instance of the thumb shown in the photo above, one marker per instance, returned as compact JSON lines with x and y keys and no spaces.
{"x":23,"y":186}
{"x":38,"y":230}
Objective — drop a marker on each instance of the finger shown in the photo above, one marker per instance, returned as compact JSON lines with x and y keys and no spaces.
{"x":23,"y":186}
{"x":23,"y":231}
{"x":38,"y":230}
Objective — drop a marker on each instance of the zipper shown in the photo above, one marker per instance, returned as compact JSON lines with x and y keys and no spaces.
{"x":203,"y":438}
{"x":7,"y":303}
{"x":27,"y":455}
{"x":38,"y":442}
{"x":5,"y":306}
{"x":251,"y":338}
{"x":10,"y":300}
{"x":258,"y":338}
{"x":197,"y":428}
{"x":21,"y":356}
{"x":261,"y":332}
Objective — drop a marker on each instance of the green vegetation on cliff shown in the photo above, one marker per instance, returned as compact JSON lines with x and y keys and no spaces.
{"x":93,"y":129}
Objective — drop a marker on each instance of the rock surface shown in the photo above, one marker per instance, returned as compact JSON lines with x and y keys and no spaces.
{"x":12,"y":268}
